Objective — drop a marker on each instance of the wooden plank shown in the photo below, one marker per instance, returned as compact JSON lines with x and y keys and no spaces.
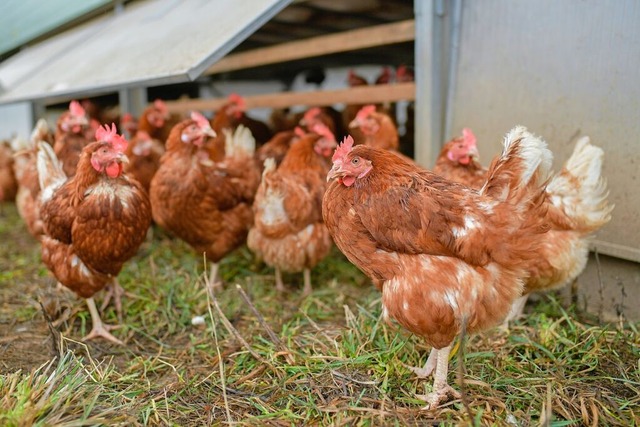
{"x":615,"y":250}
{"x":346,"y":41}
{"x":355,"y":95}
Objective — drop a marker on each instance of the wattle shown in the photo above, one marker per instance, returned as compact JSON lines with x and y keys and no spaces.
{"x":113,"y":170}
{"x":348,"y":180}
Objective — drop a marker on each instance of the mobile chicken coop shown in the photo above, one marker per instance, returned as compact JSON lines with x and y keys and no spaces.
{"x":563,"y":69}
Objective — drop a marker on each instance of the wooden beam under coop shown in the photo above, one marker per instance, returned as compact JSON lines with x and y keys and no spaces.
{"x":364,"y":38}
{"x":355,"y":95}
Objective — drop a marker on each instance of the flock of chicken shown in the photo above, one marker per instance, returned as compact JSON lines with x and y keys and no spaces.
{"x":459,"y":247}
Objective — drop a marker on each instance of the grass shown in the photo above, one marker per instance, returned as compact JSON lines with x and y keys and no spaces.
{"x":325,"y":359}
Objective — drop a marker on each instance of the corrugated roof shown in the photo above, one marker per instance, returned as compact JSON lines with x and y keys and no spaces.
{"x":151,"y":42}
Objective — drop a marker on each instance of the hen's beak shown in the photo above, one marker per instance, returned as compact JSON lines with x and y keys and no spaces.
{"x":336,"y":171}
{"x":210,"y":132}
{"x":355,"y":123}
{"x":122,"y":158}
{"x":473,"y":153}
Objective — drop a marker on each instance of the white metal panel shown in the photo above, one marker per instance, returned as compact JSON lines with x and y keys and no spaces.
{"x":429,"y":99}
{"x":23,"y":20}
{"x":561,"y":68}
{"x":15,"y":120}
{"x":152,"y":42}
{"x":26,"y":63}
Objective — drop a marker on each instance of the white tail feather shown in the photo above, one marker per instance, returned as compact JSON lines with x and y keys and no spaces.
{"x":269,"y":166}
{"x":533,"y":152}
{"x":579,"y":188}
{"x":523,"y":152}
{"x":50,"y":173}
{"x":239,"y":143}
{"x":41,"y":127}
{"x":19,"y":144}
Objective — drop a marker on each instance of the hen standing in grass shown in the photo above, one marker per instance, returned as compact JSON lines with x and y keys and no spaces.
{"x":94,"y":221}
{"x":206,"y":203}
{"x":289,"y":233}
{"x":72,"y":130}
{"x":443,"y":254}
{"x":575,"y":207}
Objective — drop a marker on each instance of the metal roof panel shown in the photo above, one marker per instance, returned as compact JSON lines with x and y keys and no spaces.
{"x":151,"y":42}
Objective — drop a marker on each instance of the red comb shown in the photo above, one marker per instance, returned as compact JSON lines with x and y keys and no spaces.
{"x":201,"y":120}
{"x":76,"y":109}
{"x":343,"y":149}
{"x":468,"y":136}
{"x":238,"y":100}
{"x":298,"y":131}
{"x":118,"y":142}
{"x":311,"y":113}
{"x":404,"y":74}
{"x":160,"y":105}
{"x":322,"y":130}
{"x":365,"y":111}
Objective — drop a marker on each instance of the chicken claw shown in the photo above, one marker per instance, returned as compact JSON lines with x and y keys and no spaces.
{"x":279,"y":283}
{"x":115,"y":291}
{"x":214,"y":277}
{"x":99,"y":329}
{"x":306,"y":290}
{"x":437,"y":397}
{"x":429,"y":366}
{"x":442,"y":391}
{"x":103,"y":332}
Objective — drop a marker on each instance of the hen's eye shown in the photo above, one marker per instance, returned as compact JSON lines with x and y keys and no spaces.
{"x":355,"y":161}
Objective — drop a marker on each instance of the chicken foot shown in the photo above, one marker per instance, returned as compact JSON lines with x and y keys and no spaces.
{"x":429,"y":366}
{"x":279,"y":284}
{"x":517,"y":308}
{"x":99,"y":329}
{"x":115,"y":291}
{"x":214,"y":278}
{"x":60,"y":288}
{"x":306,"y":290}
{"x":442,"y":391}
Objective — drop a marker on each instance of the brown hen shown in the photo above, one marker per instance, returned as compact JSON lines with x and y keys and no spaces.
{"x":94,"y":221}
{"x":288,"y":232}
{"x":206,"y":203}
{"x":444,"y":254}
